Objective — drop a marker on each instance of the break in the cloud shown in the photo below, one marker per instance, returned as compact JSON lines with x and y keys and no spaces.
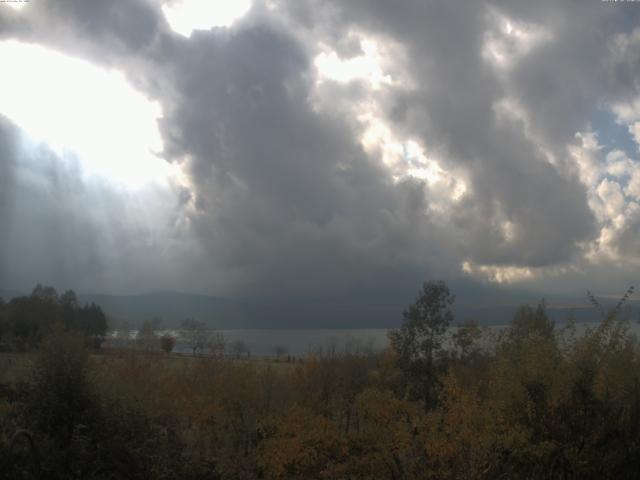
{"x":320,"y":147}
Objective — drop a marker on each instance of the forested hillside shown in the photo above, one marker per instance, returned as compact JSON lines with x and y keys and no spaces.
{"x":26,"y":320}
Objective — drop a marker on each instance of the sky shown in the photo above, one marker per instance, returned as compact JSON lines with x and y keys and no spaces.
{"x":319,"y":149}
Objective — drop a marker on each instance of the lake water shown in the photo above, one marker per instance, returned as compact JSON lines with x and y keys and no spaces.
{"x":302,"y":342}
{"x":295,"y":342}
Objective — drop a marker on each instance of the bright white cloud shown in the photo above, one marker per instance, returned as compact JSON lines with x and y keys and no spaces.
{"x":618,"y":164}
{"x":627,"y":112}
{"x":612,"y":184}
{"x":498,"y":274}
{"x":508,"y":274}
{"x":633,"y":187}
{"x":612,"y":197}
{"x":185,"y":16}
{"x":406,"y":158}
{"x":585,"y":159}
{"x":507,"y":39}
{"x":634,"y":130}
{"x":77,"y":107}
{"x":15,"y":4}
{"x":366,"y":67}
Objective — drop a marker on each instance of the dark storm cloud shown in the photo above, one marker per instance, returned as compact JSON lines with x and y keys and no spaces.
{"x":452,"y":109}
{"x":561,"y":83}
{"x":281,"y":197}
{"x":280,"y":192}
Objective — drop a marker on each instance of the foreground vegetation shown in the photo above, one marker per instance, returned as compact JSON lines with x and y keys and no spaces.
{"x":534,"y":401}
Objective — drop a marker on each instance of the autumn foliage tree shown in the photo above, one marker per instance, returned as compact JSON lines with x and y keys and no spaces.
{"x":419,"y":341}
{"x":167,"y":343}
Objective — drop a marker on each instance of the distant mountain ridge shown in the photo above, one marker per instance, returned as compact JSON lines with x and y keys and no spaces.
{"x":223,"y":313}
{"x":7,"y":295}
{"x":172,"y":308}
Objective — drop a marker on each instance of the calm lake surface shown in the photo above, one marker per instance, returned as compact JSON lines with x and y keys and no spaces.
{"x":302,"y":342}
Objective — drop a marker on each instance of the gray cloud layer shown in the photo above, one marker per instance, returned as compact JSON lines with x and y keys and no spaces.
{"x":280,"y":194}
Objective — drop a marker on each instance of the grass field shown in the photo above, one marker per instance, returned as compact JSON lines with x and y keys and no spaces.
{"x":15,"y":367}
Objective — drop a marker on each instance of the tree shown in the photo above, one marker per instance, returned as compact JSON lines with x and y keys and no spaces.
{"x":45,"y":294}
{"x":147,"y":336}
{"x":239,"y":347}
{"x":92,"y":322}
{"x":218,"y":344}
{"x":69,"y":300}
{"x":167,"y":342}
{"x":466,"y":338}
{"x":196,"y":334}
{"x":61,"y":395}
{"x":279,"y":350}
{"x":2,"y":320}
{"x":124,"y":334}
{"x":615,"y":310}
{"x":418,"y":342}
{"x":302,"y":445}
{"x":531,"y":322}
